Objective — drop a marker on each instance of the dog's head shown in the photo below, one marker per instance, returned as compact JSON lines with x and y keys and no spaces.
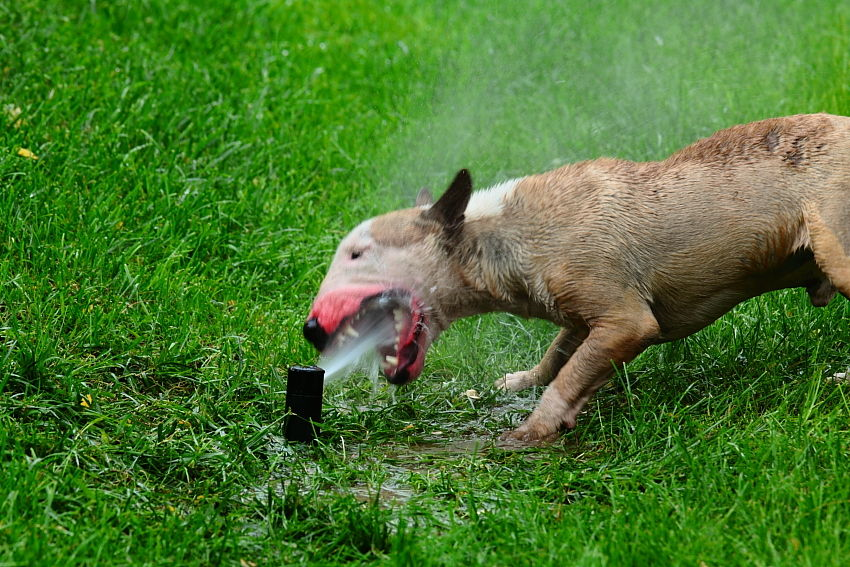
{"x":393,"y":277}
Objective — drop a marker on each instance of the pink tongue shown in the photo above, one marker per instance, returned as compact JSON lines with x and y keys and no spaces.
{"x":331,"y":307}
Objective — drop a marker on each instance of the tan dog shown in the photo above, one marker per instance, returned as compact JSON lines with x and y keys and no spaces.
{"x":621,"y":255}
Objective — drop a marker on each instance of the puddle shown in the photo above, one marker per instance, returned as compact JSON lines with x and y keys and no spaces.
{"x":388,"y":474}
{"x":392,"y":467}
{"x":388,"y":495}
{"x":442,"y":448}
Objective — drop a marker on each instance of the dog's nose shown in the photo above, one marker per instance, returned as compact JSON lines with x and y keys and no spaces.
{"x":314,"y":333}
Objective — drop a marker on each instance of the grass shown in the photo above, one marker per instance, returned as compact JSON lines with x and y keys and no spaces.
{"x":197,"y":163}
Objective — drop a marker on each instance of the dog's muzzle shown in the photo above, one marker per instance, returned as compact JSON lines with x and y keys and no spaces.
{"x":314,"y":333}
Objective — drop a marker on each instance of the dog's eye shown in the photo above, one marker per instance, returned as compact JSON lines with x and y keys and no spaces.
{"x":356,"y":254}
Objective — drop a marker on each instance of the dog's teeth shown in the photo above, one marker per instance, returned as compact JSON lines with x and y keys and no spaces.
{"x":398,"y":314}
{"x":391,"y":360}
{"x":351,"y":331}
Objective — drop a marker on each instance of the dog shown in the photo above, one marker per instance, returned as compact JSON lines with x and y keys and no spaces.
{"x":620,"y":255}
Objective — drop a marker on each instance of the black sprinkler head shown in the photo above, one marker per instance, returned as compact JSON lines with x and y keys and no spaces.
{"x":304,"y":386}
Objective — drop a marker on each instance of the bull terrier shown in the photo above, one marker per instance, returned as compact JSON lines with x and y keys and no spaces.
{"x":620,"y":255}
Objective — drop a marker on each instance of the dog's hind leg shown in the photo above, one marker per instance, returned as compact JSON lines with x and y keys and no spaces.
{"x":561,"y":349}
{"x":614,"y":341}
{"x":829,"y":232}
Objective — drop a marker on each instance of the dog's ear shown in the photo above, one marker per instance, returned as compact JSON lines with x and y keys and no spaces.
{"x":449,"y":208}
{"x":424,"y":197}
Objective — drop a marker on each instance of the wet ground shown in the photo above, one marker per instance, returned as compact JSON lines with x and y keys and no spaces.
{"x":388,"y":473}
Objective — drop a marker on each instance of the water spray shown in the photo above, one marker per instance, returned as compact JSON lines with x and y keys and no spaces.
{"x":366,"y":341}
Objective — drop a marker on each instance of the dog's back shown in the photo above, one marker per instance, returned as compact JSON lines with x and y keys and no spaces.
{"x":750,"y":209}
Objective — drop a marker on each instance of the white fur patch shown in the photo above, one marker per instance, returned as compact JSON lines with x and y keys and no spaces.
{"x":491,"y":201}
{"x":360,"y":234}
{"x":359,"y":238}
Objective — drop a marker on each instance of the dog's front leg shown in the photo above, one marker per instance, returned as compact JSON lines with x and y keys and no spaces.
{"x":615,"y":341}
{"x":561,"y":349}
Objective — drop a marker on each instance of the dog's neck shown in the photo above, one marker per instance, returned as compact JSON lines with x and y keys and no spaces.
{"x":492,"y":261}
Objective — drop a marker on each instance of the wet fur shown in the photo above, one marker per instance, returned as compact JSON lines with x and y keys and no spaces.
{"x":624,"y":255}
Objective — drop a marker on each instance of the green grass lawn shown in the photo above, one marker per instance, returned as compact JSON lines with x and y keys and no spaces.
{"x":197,"y":163}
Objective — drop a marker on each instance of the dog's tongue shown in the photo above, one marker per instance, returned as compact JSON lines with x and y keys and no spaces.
{"x":332,"y":307}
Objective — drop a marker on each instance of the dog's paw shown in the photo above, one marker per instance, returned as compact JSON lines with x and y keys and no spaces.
{"x":516,"y":381}
{"x":529,"y":435}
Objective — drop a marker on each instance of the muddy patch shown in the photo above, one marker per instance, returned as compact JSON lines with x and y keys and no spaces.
{"x":396,"y":473}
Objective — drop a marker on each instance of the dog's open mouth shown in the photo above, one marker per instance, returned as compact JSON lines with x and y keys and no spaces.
{"x":392,"y":323}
